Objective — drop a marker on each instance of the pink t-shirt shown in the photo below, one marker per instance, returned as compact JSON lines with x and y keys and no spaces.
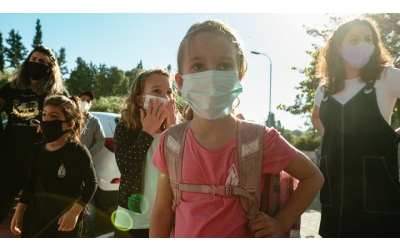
{"x":211,"y":216}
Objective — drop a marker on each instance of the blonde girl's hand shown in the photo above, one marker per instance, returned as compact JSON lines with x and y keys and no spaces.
{"x":172,"y":113}
{"x":154,"y":117}
{"x":264,"y":226}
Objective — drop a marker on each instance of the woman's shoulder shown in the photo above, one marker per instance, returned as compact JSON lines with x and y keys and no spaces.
{"x":390,"y":76}
{"x":9,"y":88}
{"x":390,"y":71}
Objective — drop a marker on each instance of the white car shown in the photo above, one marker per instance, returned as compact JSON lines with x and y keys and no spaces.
{"x":107,"y":173}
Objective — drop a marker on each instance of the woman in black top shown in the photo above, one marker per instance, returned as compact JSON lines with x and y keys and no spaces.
{"x":61,"y":174}
{"x":22,"y":100}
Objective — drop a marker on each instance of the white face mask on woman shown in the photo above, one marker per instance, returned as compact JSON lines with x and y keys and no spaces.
{"x":358,"y":55}
{"x":211,"y":93}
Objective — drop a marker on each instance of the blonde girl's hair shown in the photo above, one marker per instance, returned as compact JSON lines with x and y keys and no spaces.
{"x":330,"y":63}
{"x":217,"y":27}
{"x":52,"y":84}
{"x":130,"y":114}
{"x":211,"y":26}
{"x":72,"y":110}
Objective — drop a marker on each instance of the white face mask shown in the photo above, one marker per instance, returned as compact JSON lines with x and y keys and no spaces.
{"x":85,"y":106}
{"x":211,"y":93}
{"x":160,"y":99}
{"x":358,"y":55}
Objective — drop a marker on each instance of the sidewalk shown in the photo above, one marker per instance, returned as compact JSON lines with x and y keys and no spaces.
{"x":310,"y":220}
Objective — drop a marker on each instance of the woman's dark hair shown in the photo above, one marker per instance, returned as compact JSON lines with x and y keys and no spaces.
{"x":52,"y":84}
{"x":330,"y":63}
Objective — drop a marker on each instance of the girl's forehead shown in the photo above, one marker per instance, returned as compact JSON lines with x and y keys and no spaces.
{"x":156,"y":80}
{"x":38,"y":54}
{"x":359,"y":30}
{"x":53,"y":109}
{"x":209,"y":43}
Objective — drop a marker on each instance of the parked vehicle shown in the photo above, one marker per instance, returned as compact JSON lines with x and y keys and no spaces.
{"x":107,"y":173}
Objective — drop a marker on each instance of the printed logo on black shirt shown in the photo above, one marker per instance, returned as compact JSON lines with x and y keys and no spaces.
{"x":61,"y":171}
{"x":25,"y":110}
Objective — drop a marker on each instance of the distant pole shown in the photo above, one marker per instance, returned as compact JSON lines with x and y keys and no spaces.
{"x":270,"y":86}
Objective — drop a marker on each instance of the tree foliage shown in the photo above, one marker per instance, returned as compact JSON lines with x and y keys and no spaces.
{"x":110,"y":81}
{"x":82,"y":77}
{"x":62,"y":61}
{"x":111,"y":104}
{"x":16,"y":52}
{"x":2,"y":62}
{"x":389,"y":26}
{"x":37,"y":39}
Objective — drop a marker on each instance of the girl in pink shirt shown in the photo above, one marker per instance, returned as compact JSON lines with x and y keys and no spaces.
{"x":211,"y":65}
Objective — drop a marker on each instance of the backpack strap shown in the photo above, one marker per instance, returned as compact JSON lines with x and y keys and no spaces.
{"x":173,"y":152}
{"x":250,"y":141}
{"x":174,"y":144}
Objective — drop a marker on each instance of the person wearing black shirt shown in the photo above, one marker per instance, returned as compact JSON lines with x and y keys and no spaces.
{"x":61,"y":178}
{"x":22,"y":100}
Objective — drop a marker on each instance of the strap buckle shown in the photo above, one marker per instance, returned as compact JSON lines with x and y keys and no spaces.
{"x":221,"y":190}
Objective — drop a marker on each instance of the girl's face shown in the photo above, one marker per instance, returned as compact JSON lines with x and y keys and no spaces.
{"x":209,"y":51}
{"x":51,"y":113}
{"x":156,"y":85}
{"x":355,"y":36}
{"x":39,"y":57}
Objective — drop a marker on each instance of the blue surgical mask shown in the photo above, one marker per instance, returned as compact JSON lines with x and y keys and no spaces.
{"x":211,"y":93}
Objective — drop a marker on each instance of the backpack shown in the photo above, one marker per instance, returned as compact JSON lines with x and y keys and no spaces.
{"x":250,"y":137}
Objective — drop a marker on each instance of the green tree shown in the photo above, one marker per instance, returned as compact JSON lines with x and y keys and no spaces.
{"x":37,"y":39}
{"x":111,"y":104}
{"x":135,"y":72}
{"x":2,"y":62}
{"x":389,"y":26}
{"x":83,"y":77}
{"x":62,"y":62}
{"x":16,"y":51}
{"x":110,"y":81}
{"x":308,"y":141}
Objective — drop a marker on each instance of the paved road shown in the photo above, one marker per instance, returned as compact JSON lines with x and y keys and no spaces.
{"x":310,"y":220}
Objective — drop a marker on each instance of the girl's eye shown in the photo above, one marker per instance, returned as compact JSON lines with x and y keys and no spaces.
{"x":198,"y":66}
{"x":225,"y":66}
{"x":169,"y":93}
{"x":157,"y":91}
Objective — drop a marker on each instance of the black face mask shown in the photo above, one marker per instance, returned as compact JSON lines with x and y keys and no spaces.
{"x":37,"y":71}
{"x":52,"y":130}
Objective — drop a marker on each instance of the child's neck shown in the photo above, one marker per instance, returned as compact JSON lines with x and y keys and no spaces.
{"x":57,"y":144}
{"x":214,"y":134}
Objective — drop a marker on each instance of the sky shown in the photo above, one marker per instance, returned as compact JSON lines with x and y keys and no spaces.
{"x":152,"y":35}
